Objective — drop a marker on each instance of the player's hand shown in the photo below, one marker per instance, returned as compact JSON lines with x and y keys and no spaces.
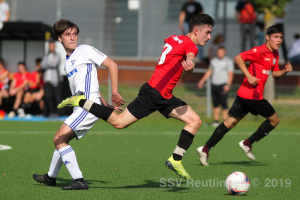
{"x":117,"y":99}
{"x":114,"y":107}
{"x":288,"y":67}
{"x":253,"y":81}
{"x":181,"y":27}
{"x":188,"y":65}
{"x":200,"y":85}
{"x":226,"y":88}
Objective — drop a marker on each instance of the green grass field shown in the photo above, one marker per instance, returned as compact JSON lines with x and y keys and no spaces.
{"x":129,"y":163}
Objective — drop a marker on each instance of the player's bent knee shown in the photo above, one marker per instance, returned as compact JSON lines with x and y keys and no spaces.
{"x":59,"y":140}
{"x":195,"y":122}
{"x":198,"y":123}
{"x":119,"y":125}
{"x":275,"y":122}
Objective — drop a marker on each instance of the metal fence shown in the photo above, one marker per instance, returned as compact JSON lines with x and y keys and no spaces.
{"x":196,"y":70}
{"x":135,"y":29}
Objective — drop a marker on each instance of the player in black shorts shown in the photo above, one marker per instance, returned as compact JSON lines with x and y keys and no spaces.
{"x":156,"y":95}
{"x":149,"y":100}
{"x":263,"y":62}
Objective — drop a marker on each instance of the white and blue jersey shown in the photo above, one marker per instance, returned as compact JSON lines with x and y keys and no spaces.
{"x":81,"y":69}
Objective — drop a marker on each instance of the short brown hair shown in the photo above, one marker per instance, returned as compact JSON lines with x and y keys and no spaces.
{"x":200,"y":19}
{"x":62,"y":25}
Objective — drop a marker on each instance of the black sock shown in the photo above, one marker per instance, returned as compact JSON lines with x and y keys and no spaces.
{"x":184,"y":142}
{"x":262,"y":131}
{"x":100,"y":111}
{"x":217,"y":135}
{"x":81,"y":102}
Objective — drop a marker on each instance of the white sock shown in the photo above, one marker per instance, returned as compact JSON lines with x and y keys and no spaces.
{"x":55,"y":164}
{"x":69,"y":159}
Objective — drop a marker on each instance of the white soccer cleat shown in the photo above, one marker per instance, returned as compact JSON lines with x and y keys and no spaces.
{"x":247,"y":150}
{"x":11,"y":114}
{"x":21,"y":113}
{"x":202,"y":156}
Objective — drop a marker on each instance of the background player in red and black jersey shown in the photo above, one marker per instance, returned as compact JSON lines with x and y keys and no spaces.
{"x":263,"y":62}
{"x":178,"y":55}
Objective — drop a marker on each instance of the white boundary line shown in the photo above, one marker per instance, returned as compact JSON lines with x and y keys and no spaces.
{"x":139,"y":133}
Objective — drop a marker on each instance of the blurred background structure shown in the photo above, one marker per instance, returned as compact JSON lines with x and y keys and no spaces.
{"x":132,"y":32}
{"x":135,"y":29}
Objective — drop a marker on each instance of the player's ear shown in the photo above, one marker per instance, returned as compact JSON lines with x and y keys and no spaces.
{"x":267,"y":37}
{"x":196,"y":31}
{"x":59,"y":38}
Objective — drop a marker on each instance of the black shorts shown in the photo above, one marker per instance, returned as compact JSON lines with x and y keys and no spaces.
{"x":33,"y":90}
{"x":150,"y":100}
{"x":219,"y":97}
{"x":242,"y":107}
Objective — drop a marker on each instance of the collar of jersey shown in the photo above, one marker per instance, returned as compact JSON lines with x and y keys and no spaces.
{"x":67,"y":57}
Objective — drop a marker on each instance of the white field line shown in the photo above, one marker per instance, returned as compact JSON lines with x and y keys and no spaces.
{"x":141,"y":133}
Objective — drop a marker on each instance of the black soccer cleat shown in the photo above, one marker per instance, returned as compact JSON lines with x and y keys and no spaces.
{"x":78,"y":184}
{"x":45,"y":179}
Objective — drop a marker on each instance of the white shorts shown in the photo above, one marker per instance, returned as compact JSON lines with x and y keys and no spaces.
{"x":81,"y":121}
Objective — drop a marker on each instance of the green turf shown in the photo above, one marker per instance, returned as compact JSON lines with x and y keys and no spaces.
{"x":129,"y":164}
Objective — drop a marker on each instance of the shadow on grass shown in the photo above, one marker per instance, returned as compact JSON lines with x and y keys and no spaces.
{"x":243,"y":163}
{"x":151,"y":184}
{"x":61,"y":182}
{"x":244,"y":195}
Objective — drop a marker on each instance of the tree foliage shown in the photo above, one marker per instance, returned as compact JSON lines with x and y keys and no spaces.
{"x":276,"y":7}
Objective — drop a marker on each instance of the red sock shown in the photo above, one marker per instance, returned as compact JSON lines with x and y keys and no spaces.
{"x":205,"y":149}
{"x":247,"y":143}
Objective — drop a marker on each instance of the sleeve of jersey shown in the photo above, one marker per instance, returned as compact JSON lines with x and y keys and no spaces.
{"x":191,"y":49}
{"x":95,"y":56}
{"x":250,"y":55}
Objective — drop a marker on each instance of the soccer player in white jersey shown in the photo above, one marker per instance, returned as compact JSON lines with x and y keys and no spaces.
{"x":81,"y":67}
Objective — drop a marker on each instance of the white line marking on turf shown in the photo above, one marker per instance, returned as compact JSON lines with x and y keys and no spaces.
{"x":4,"y":147}
{"x":141,"y":133}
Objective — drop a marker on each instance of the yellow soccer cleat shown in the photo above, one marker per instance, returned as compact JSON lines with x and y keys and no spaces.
{"x":177,"y":167}
{"x":72,"y":101}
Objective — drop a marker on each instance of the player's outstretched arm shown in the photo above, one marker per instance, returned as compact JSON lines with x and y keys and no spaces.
{"x":104,"y":102}
{"x":113,"y":72}
{"x":287,"y":68}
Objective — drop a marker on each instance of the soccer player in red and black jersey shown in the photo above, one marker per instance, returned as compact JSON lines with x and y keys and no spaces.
{"x":178,"y":55}
{"x":263,"y":62}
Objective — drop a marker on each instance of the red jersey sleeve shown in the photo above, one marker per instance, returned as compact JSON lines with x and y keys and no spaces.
{"x":250,"y":55}
{"x":191,"y":48}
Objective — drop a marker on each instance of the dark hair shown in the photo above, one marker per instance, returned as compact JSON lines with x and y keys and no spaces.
{"x":200,"y":19}
{"x":22,"y":63}
{"x":221,"y":47}
{"x":274,"y":29}
{"x":62,"y":25}
{"x":38,"y":60}
{"x":217,"y":38}
{"x":297,"y":36}
{"x":2,"y":61}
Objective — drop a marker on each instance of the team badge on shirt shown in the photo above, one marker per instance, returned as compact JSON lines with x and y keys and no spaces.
{"x":72,"y":61}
